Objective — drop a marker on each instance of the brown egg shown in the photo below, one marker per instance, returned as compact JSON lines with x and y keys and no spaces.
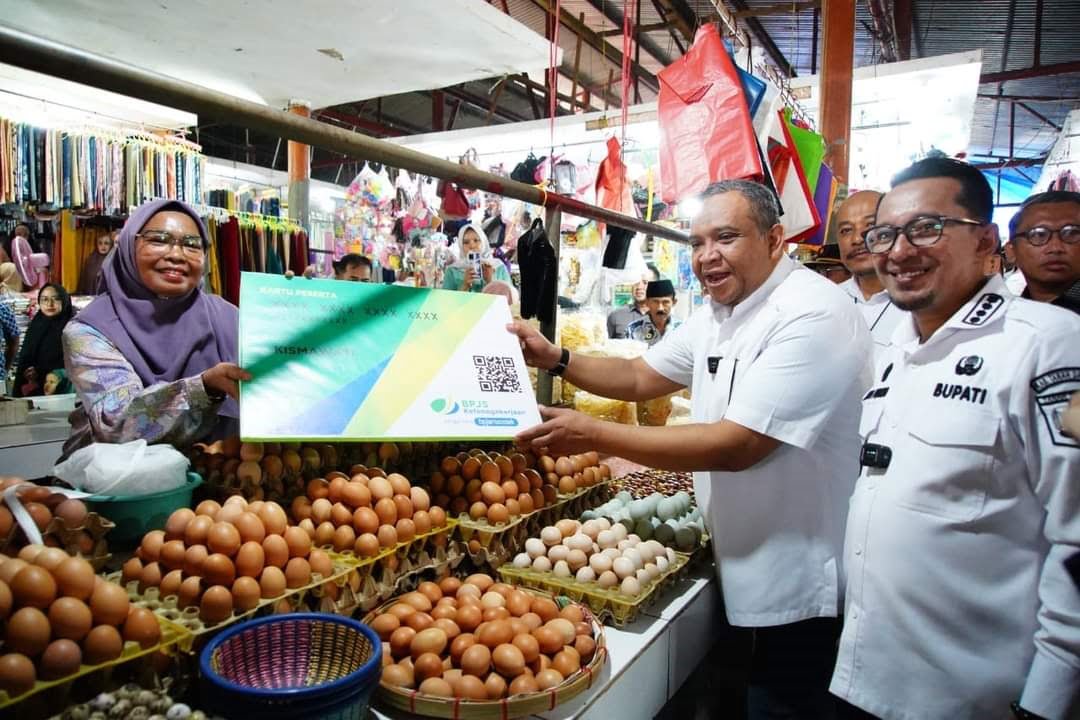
{"x":142,"y":627}
{"x":438,"y":516}
{"x":272,"y":582}
{"x":397,"y":676}
{"x":324,"y":534}
{"x":216,"y":604}
{"x":189,"y":593}
{"x":218,"y":569}
{"x":448,"y":626}
{"x":172,"y":554}
{"x":387,"y":536}
{"x":384,"y":625}
{"x":70,"y":618}
{"x":72,"y":512}
{"x":398,"y":483}
{"x":194,"y":557}
{"x":29,"y":552}
{"x":223,"y":538}
{"x":249,"y":561}
{"x":549,"y":678}
{"x":431,"y":640}
{"x":321,"y":510}
{"x":150,"y":576}
{"x":275,"y":551}
{"x":198,"y":529}
{"x":402,"y":610}
{"x":170,"y":583}
{"x":470,"y":687}
{"x":427,"y":665}
{"x":356,"y":495}
{"x":60,"y":659}
{"x":273,"y":518}
{"x":50,"y":558}
{"x":308,"y":527}
{"x":321,"y":563}
{"x":33,"y":586}
{"x":436,"y":687}
{"x":509,"y":660}
{"x":177,"y":523}
{"x":585,"y":647}
{"x":401,"y":641}
{"x":522,"y":685}
{"x":246,"y":593}
{"x":300,"y":508}
{"x":449,"y":585}
{"x":532,"y":620}
{"x":367,"y":545}
{"x":494,"y":633}
{"x":209,"y":508}
{"x":230,"y":512}
{"x":387,"y":511}
{"x":545,"y":608}
{"x":491,"y":613}
{"x":17,"y":674}
{"x":6,"y":600}
{"x":567,"y":663}
{"x":297,"y":573}
{"x":525,"y":502}
{"x":103,"y":643}
{"x":344,"y":538}
{"x":298,"y":541}
{"x":550,"y":640}
{"x":497,"y":514}
{"x":151,"y":545}
{"x":444,"y":611}
{"x":75,"y":578}
{"x":418,"y":621}
{"x":476,"y":660}
{"x":28,"y":632}
{"x":528,"y":645}
{"x":495,"y":686}
{"x":380,"y":488}
{"x":40,"y":514}
{"x":10,"y":568}
{"x":468,"y":617}
{"x":250,"y":527}
{"x":418,"y":600}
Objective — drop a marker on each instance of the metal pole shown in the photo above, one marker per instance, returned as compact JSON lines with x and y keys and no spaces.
{"x":86,"y":68}
{"x":552,"y":221}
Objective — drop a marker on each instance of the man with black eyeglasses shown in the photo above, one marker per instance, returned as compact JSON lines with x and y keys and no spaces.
{"x":958,"y":602}
{"x":1044,"y":238}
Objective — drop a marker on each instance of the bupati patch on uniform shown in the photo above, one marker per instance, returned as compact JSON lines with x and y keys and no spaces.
{"x":963,"y":393}
{"x":984,"y":309}
{"x":1053,"y":389}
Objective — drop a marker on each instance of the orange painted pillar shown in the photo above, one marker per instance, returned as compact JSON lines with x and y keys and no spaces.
{"x":299,"y":171}
{"x":838,"y":57}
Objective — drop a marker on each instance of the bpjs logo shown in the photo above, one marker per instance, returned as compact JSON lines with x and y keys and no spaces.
{"x":444,"y":406}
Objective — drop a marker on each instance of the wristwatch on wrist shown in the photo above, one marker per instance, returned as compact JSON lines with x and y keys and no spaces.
{"x":1023,"y":714}
{"x":215,"y":396}
{"x":560,"y":367}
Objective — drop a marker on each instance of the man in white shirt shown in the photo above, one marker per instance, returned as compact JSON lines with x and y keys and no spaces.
{"x":777,"y":361}
{"x":958,"y":602}
{"x":853,"y":217}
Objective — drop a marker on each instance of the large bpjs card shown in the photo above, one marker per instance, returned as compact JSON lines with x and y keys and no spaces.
{"x":336,"y":360}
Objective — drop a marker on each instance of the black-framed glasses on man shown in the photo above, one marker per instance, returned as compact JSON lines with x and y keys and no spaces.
{"x":1040,"y":235}
{"x":921,"y":232}
{"x":162,"y":242}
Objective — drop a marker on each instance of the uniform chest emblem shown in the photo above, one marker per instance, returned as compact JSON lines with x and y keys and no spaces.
{"x":984,"y":309}
{"x":969,"y":365}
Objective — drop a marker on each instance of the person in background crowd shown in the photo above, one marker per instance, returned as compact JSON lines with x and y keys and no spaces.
{"x":10,"y":282}
{"x":353,"y":268}
{"x":42,"y":349}
{"x":462,"y":275}
{"x":5,"y":248}
{"x":854,"y":217}
{"x":957,"y":601}
{"x":774,"y":435}
{"x":827,"y":264}
{"x":659,"y":301}
{"x":619,"y":320}
{"x":154,"y":356}
{"x":57,"y":383}
{"x":9,"y":341}
{"x":1045,"y":240}
{"x":91,"y":269}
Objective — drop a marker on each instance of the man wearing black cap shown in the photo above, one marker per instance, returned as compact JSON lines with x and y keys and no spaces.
{"x":659,"y":300}
{"x":827,"y":263}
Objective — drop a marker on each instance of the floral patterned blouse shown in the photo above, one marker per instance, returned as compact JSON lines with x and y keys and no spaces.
{"x":117,"y":408}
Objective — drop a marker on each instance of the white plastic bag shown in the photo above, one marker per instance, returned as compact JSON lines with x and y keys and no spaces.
{"x":133,"y":468}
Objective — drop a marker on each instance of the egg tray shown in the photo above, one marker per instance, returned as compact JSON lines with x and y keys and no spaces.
{"x":171,"y":634}
{"x":653,"y":479}
{"x":68,"y":538}
{"x":609,"y":605}
{"x":188,"y":618}
{"x":513,"y":707}
{"x":498,"y":544}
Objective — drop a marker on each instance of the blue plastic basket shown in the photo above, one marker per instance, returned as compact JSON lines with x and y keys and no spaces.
{"x":317,"y":666}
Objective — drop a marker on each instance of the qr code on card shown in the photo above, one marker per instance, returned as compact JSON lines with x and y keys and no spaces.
{"x":496,"y":374}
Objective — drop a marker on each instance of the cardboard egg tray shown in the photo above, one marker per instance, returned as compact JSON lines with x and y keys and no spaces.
{"x":609,"y":605}
{"x":67,"y":538}
{"x":188,"y":618}
{"x":172,"y":635}
{"x":499,"y":543}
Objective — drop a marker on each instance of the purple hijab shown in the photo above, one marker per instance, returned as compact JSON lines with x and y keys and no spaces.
{"x":164,"y":339}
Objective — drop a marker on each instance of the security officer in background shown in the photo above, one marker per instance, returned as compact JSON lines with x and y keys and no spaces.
{"x":659,"y":301}
{"x":827,"y":264}
{"x":958,"y":602}
{"x":1044,"y":239}
{"x":854,"y":217}
{"x":619,"y":320}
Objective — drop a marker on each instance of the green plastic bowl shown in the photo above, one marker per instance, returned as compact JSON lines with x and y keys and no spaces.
{"x":136,"y":515}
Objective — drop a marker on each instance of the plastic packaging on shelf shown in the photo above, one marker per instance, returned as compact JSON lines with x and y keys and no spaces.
{"x":601,"y":408}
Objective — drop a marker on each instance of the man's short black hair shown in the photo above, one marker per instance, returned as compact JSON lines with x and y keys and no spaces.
{"x":975,"y":196}
{"x":1043,"y":198}
{"x":351,"y":260}
{"x":763,"y":203}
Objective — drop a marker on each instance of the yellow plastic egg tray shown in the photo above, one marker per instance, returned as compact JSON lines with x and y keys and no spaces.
{"x":171,"y":634}
{"x":609,"y":605}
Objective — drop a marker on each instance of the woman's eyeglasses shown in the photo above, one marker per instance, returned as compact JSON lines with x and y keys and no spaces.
{"x":162,"y":242}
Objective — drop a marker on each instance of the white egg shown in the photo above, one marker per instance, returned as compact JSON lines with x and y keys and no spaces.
{"x":600,"y":563}
{"x":620,"y":532}
{"x":652,"y":571}
{"x":630,"y":586}
{"x":535,"y":547}
{"x":646,"y":551}
{"x":542,"y":564}
{"x":623,"y":567}
{"x":579,"y":541}
{"x":633,"y":539}
{"x":662,"y":564}
{"x":624,"y":545}
{"x":603,"y":523}
{"x":562,"y":570}
{"x":591,"y":528}
{"x":608,"y":579}
{"x":585,"y":574}
{"x":595,"y":549}
{"x":557,"y":552}
{"x":642,"y":576}
{"x":607,"y":539}
{"x":522,"y":560}
{"x":634,"y":556}
{"x":577,"y":559}
{"x":670,"y":554}
{"x":551,"y":535}
{"x":657,"y":548}
{"x":611,"y":553}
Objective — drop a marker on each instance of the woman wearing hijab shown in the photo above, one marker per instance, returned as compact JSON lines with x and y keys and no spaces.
{"x":91,"y":269}
{"x":154,"y":356}
{"x":42,"y":349}
{"x":462,"y":274}
{"x":57,"y":383}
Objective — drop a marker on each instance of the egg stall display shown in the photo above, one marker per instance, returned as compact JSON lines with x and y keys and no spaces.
{"x":63,"y":522}
{"x":134,"y":702}
{"x":62,"y":621}
{"x":216,"y":563}
{"x":382,"y":525}
{"x":596,"y":562}
{"x":458,"y":647}
{"x":672,"y":521}
{"x":643,"y":483}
